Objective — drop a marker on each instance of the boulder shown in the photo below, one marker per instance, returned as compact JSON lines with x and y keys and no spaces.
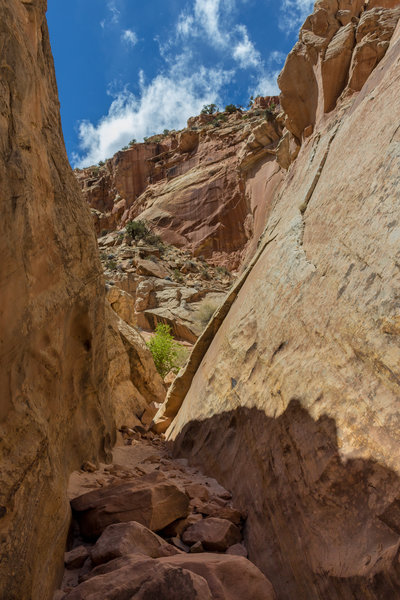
{"x":150,"y":500}
{"x":129,"y":538}
{"x":139,"y":578}
{"x":151,"y":268}
{"x":74,"y":559}
{"x":122,"y":303}
{"x":215,"y":534}
{"x":188,"y":140}
{"x":178,"y":527}
{"x":219,"y":510}
{"x":237,"y":550}
{"x":229,"y":577}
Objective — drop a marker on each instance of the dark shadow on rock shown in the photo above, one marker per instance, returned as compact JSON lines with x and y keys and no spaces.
{"x":318,"y":527}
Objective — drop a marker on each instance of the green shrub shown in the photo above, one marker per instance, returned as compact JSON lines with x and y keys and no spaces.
{"x":137,"y":230}
{"x":222,"y":270}
{"x":230,"y":108}
{"x":101,"y":163}
{"x":178,"y":276}
{"x":125,"y":148}
{"x":111,"y":265}
{"x":132,"y":142}
{"x":209,"y":109}
{"x":168,"y":355}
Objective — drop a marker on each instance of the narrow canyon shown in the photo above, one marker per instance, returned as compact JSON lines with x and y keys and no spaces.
{"x":262,"y":461}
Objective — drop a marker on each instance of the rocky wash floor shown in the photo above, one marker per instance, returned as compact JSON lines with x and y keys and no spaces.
{"x":151,"y":527}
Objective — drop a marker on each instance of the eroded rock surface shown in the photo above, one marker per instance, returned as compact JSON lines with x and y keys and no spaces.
{"x":54,"y":405}
{"x":299,"y":387}
{"x":339,"y":46}
{"x":150,"y":283}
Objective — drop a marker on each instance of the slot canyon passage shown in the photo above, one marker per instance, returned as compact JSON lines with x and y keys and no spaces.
{"x":268,"y":467}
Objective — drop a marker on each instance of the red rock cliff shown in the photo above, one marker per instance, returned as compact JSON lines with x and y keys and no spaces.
{"x":205,"y":188}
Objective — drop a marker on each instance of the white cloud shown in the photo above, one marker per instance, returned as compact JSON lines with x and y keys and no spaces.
{"x":185,"y":85}
{"x":206,"y":13}
{"x":294,"y":13}
{"x":129,"y":37}
{"x":206,"y":20}
{"x":185,"y":25}
{"x":266,"y":85}
{"x":112,"y":7}
{"x":165,"y":103}
{"x":244,"y":51}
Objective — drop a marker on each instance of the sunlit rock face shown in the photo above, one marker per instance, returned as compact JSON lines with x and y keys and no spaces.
{"x":294,"y":403}
{"x":205,"y":188}
{"x":54,"y":411}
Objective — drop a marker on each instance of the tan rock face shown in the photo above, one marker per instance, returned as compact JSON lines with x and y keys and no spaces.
{"x":133,"y":379}
{"x":336,"y":53}
{"x":299,"y":387}
{"x":54,"y":411}
{"x":195,"y":186}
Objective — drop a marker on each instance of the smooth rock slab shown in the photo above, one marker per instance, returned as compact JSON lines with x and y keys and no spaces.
{"x":214,"y":534}
{"x":150,"y":500}
{"x":129,"y":538}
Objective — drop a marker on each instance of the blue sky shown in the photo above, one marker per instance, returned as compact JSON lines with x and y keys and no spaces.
{"x":129,"y":68}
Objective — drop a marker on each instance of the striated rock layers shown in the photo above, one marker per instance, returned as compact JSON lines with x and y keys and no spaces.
{"x":204,"y":188}
{"x":294,"y":404}
{"x":54,"y":410}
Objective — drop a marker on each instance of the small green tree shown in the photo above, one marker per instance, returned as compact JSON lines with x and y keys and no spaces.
{"x":168,"y":355}
{"x":137,"y":230}
{"x":132,"y":143}
{"x":230,"y":108}
{"x":209,"y":109}
{"x":101,"y":163}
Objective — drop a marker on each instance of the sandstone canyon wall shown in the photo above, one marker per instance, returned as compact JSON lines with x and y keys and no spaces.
{"x":54,"y":405}
{"x":203,"y":188}
{"x":294,"y":404}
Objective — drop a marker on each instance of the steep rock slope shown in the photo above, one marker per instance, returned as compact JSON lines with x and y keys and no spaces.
{"x":295,"y":403}
{"x":54,"y":410}
{"x":203,"y":188}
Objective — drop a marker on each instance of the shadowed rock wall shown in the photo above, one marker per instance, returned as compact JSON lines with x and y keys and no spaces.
{"x":54,"y":410}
